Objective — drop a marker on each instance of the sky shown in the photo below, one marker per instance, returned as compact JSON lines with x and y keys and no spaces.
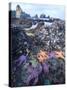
{"x":56,"y":11}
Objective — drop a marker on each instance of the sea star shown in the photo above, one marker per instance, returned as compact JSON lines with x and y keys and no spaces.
{"x":51,"y":54}
{"x":42,"y":56}
{"x":59,"y":54}
{"x":21,"y":59}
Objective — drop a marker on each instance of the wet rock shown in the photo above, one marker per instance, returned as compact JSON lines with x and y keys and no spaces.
{"x":53,"y":37}
{"x":30,"y":72}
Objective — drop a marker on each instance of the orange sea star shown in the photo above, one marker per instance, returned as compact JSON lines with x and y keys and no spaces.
{"x":59,"y":54}
{"x":42,"y":56}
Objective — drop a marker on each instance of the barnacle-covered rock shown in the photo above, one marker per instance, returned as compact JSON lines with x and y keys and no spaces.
{"x":56,"y":71}
{"x":53,"y":37}
{"x":30,"y":72}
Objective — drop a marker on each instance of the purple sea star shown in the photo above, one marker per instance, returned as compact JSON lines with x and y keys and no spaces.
{"x":51,"y":54}
{"x":21,"y":59}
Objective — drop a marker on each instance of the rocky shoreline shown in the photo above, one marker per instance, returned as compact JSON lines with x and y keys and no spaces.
{"x":38,"y":53}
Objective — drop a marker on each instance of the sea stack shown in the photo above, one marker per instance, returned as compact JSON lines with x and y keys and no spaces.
{"x":18,"y":11}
